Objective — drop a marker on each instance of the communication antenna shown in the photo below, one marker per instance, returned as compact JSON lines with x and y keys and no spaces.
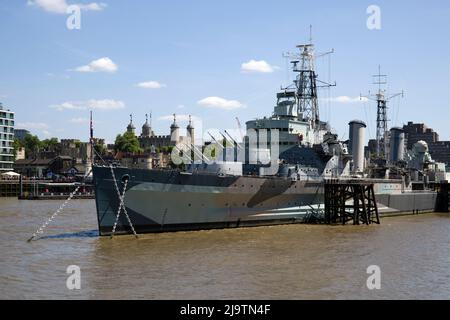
{"x":379,"y":79}
{"x":307,"y":82}
{"x":310,"y":33}
{"x":382,"y":98}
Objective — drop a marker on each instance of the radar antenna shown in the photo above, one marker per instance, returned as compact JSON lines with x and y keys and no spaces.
{"x":382,"y":98}
{"x":303,"y":63}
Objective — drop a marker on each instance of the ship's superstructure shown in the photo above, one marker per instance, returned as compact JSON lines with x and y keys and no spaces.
{"x":294,"y":134}
{"x":392,"y":160}
{"x":296,"y":114}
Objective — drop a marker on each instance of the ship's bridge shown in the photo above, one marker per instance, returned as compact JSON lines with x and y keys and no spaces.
{"x":286,"y":105}
{"x":292,"y":130}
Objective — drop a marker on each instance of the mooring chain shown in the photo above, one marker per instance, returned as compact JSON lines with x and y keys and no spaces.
{"x":122,"y":204}
{"x":120,"y":208}
{"x":61,"y":208}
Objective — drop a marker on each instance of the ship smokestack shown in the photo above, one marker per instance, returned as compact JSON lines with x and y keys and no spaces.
{"x":397,"y":145}
{"x":356,"y":145}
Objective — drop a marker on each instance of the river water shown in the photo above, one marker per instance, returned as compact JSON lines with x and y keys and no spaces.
{"x":281,"y":262}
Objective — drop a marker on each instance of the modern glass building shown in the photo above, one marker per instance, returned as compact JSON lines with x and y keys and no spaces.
{"x":6,"y":139}
{"x":20,"y":134}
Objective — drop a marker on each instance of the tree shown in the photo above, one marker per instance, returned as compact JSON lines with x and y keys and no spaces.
{"x":50,"y":144}
{"x":32,"y":145}
{"x":17,"y":144}
{"x":100,"y":148}
{"x":165,"y":149}
{"x":128,"y":143}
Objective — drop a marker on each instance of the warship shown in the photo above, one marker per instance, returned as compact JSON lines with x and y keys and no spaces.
{"x":274,"y":176}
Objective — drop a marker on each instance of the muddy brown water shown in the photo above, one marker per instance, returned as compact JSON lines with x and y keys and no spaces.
{"x":280,"y":262}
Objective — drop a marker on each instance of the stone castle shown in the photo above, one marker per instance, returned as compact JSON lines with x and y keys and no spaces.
{"x":149,"y":142}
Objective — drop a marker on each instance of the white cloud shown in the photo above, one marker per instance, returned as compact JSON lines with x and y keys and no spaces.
{"x":347,"y":99}
{"x":151,"y":85}
{"x":260,"y":66}
{"x":180,"y":117}
{"x":41,"y":127}
{"x":60,"y":6}
{"x":220,"y":103}
{"x":94,"y":6}
{"x":79,"y":120}
{"x":104,"y":64}
{"x":69,"y":106}
{"x":105,"y":104}
{"x":82,"y":121}
{"x":32,"y":125}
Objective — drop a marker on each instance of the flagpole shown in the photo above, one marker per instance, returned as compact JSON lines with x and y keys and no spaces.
{"x":92,"y":141}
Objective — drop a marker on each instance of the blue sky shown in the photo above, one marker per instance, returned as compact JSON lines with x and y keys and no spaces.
{"x":185,"y":52}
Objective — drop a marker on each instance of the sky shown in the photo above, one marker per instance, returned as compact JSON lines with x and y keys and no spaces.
{"x":216,"y":60}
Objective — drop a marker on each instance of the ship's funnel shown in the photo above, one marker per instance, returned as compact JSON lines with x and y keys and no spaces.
{"x":356,"y":145}
{"x":397,"y":145}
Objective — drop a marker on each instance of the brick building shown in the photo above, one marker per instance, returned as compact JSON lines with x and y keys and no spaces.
{"x":418,"y":131}
{"x":439,"y":150}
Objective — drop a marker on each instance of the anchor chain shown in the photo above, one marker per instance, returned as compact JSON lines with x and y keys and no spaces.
{"x":55,"y":214}
{"x":120,"y":208}
{"x":121,"y":205}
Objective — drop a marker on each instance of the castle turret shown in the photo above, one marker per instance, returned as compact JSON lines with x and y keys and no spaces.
{"x":174,"y":130}
{"x":131,"y":128}
{"x":191,"y":131}
{"x":146,"y":129}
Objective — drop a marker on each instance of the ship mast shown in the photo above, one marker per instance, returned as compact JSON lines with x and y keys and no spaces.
{"x":382,"y":120}
{"x":306,"y":85}
{"x":382,"y":99}
{"x":306,"y":82}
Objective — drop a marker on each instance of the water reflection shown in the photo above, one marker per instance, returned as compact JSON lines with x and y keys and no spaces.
{"x":80,"y":234}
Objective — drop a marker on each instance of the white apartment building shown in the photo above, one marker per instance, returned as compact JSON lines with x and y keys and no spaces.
{"x":6,"y":139}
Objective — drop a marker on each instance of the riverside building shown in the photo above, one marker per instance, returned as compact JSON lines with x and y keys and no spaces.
{"x":6,"y":139}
